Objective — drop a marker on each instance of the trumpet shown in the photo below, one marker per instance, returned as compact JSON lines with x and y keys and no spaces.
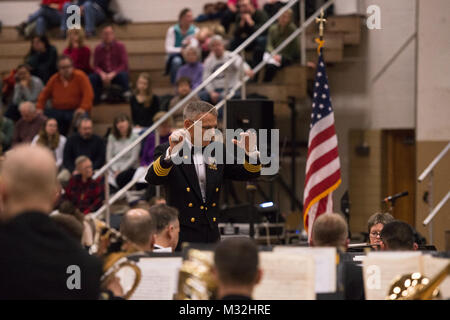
{"x":109,"y":245}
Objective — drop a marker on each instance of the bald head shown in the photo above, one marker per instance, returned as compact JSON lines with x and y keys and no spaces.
{"x":330,"y":230}
{"x":28,"y":180}
{"x":138,"y":227}
{"x":27,"y":111}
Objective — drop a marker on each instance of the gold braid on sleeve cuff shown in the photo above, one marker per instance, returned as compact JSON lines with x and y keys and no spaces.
{"x":159,"y":170}
{"x":252,"y":167}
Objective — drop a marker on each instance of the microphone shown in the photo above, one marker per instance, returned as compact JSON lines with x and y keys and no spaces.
{"x":395,"y":196}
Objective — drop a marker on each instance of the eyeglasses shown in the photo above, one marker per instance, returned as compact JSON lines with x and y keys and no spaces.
{"x":375,"y":234}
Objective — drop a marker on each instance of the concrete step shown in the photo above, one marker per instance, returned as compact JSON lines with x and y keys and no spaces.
{"x":105,"y":113}
{"x":277,"y":92}
{"x":349,"y":25}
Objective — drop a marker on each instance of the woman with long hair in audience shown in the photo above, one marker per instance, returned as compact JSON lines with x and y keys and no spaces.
{"x":50,"y":137}
{"x":42,"y":58}
{"x":144,"y":104}
{"x":121,"y":137}
{"x":78,"y":51}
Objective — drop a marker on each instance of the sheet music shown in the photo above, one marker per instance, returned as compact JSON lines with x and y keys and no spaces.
{"x":380,"y":269}
{"x":285,"y":277}
{"x":431,"y":267}
{"x":159,"y":278}
{"x":325,"y":265}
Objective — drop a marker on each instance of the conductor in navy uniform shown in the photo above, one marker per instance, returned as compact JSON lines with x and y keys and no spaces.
{"x":193,"y":172}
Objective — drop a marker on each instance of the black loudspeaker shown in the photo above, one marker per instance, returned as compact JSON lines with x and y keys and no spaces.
{"x":249,"y":114}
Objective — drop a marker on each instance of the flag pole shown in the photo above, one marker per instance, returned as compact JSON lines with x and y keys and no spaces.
{"x":320,"y":20}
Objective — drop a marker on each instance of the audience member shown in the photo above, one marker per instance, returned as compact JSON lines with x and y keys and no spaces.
{"x":216,"y":90}
{"x":271,"y":7}
{"x":144,"y":104}
{"x":110,"y":66}
{"x":78,"y":51}
{"x":29,"y":124}
{"x":94,"y":13}
{"x":139,"y":227}
{"x":398,"y":236}
{"x":47,"y":16}
{"x":193,"y":69}
{"x":167,"y":227}
{"x":248,"y":20}
{"x":277,"y":34}
{"x":229,"y":15}
{"x":236,"y":268}
{"x":178,"y":36}
{"x":42,"y":58}
{"x":85,"y":193}
{"x":6,"y":133}
{"x":70,"y":94}
{"x":375,"y":224}
{"x":49,"y":137}
{"x":164,"y":131}
{"x":84,"y":142}
{"x":183,"y":89}
{"x":121,"y":137}
{"x":212,"y":11}
{"x":38,"y":252}
{"x":27,"y":88}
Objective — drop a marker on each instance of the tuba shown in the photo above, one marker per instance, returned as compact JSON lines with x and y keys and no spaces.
{"x":114,"y":250}
{"x":196,"y":280}
{"x":415,"y":286}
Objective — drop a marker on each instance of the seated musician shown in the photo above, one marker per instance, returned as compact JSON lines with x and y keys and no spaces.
{"x":167,"y":227}
{"x":398,"y":236}
{"x":139,"y":228}
{"x":236,"y":268}
{"x":375,"y":224}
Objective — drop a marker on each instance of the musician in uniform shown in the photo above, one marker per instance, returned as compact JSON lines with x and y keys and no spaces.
{"x":193,"y":185}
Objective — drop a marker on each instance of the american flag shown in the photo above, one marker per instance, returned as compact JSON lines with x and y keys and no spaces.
{"x":323,"y":174}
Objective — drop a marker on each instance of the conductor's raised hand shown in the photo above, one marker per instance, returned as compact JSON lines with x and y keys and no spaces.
{"x":176,"y":141}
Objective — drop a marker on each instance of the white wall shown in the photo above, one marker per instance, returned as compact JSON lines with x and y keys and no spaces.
{"x":433,"y":92}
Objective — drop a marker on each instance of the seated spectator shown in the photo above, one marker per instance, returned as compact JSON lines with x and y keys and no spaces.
{"x":85,"y":193}
{"x":77,"y":51}
{"x":6,"y":133}
{"x":93,"y":11}
{"x":120,"y":138}
{"x":29,"y":124}
{"x":229,"y":16}
{"x":167,"y":227}
{"x":216,"y":90}
{"x":248,"y":20}
{"x":139,"y":227}
{"x":164,"y":130}
{"x":271,"y":7}
{"x":178,"y":36}
{"x":47,"y":16}
{"x":70,"y":94}
{"x":375,"y":224}
{"x":27,"y":88}
{"x":330,"y":230}
{"x":183,"y":89}
{"x":84,"y":142}
{"x":277,"y":34}
{"x":398,"y":236}
{"x":144,"y":104}
{"x":37,"y":253}
{"x":110,"y":66}
{"x":212,"y":11}
{"x":42,"y":58}
{"x":193,"y":69}
{"x":236,"y":268}
{"x":49,"y":137}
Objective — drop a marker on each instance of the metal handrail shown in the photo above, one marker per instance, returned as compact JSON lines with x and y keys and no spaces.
{"x":206,"y":82}
{"x":433,"y":163}
{"x":436,"y":209}
{"x":221,"y":103}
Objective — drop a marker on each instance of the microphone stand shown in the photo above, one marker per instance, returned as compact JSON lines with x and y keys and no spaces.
{"x":251,"y":189}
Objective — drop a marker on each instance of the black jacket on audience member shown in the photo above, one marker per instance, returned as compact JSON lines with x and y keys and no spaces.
{"x":35,"y":254}
{"x":43,"y":65}
{"x":143,"y":116}
{"x":93,"y":148}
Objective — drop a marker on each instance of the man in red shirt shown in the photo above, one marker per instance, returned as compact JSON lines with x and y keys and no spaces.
{"x":70,"y":93}
{"x":110,"y":65}
{"x":85,"y":193}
